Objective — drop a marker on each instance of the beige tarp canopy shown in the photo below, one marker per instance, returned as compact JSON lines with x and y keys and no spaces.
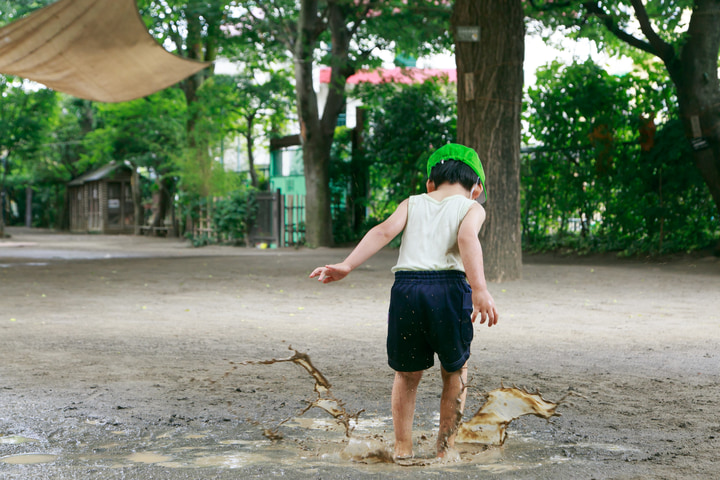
{"x":93,"y":49}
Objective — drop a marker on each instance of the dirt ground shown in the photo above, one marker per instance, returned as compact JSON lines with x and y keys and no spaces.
{"x":122,"y":358}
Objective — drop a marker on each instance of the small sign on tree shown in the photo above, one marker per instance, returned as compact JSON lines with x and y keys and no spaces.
{"x":468,"y":33}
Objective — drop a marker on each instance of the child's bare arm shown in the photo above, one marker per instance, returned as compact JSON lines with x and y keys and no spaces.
{"x":371,"y":243}
{"x":471,"y":254}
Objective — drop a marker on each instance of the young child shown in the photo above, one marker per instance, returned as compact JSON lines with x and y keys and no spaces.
{"x":439,"y":288}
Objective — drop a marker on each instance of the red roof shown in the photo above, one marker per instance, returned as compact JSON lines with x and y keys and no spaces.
{"x":398,"y":75}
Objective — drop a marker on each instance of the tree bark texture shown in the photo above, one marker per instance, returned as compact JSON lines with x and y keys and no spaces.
{"x":165,"y":187}
{"x":318,"y":231}
{"x":695,"y":74}
{"x":490,"y":82}
{"x":316,"y":132}
{"x":136,"y":190}
{"x":250,"y":143}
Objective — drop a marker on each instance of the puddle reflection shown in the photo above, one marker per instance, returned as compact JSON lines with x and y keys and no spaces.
{"x":307,"y":443}
{"x":16,"y":440}
{"x":28,"y":459}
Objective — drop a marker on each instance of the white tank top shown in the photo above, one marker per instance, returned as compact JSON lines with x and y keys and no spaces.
{"x":429,"y":241}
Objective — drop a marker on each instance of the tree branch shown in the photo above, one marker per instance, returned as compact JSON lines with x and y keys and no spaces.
{"x":595,"y":9}
{"x":287,"y":28}
{"x":664,"y":50}
{"x":321,"y":23}
{"x":548,"y":7}
{"x":174,"y":34}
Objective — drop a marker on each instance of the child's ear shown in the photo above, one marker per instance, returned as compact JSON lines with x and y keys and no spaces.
{"x":430,"y":186}
{"x":477,"y":191}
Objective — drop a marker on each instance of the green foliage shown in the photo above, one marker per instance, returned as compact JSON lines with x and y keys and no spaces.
{"x":11,"y":10}
{"x":663,"y":204}
{"x":341,"y":173}
{"x":192,"y":28}
{"x":234,"y":215}
{"x":595,"y":183}
{"x":200,"y":169}
{"x":405,"y":123}
{"x":268,"y":29}
{"x":579,"y":116}
{"x":610,"y":23}
{"x":244,"y":105}
{"x":26,"y":118}
{"x":149,"y":133}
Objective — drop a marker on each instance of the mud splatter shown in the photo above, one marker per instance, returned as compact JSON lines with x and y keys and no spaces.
{"x":325,"y":399}
{"x":487,"y":427}
{"x":503,"y":405}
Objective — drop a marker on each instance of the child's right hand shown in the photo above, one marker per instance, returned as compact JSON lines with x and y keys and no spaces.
{"x":331,"y":273}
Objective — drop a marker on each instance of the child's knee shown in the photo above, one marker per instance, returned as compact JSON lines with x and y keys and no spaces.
{"x":459,"y":372}
{"x":410,"y":377}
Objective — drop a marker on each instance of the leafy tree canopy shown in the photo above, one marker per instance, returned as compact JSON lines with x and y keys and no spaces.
{"x":614,"y":25}
{"x":416,"y":28}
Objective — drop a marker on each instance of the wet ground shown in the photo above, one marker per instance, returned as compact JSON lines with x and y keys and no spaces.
{"x":126,"y":358}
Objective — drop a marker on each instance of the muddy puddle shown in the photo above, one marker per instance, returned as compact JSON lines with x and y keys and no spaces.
{"x":323,"y":434}
{"x":308,"y":443}
{"x":24,"y":264}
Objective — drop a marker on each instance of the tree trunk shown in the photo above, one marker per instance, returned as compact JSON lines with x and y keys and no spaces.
{"x":250,"y":142}
{"x":490,"y":81}
{"x":317,"y":133}
{"x":63,"y":219}
{"x":137,"y":201}
{"x":695,"y":75}
{"x":164,"y":201}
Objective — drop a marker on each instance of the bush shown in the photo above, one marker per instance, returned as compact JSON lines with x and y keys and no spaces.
{"x":234,"y":215}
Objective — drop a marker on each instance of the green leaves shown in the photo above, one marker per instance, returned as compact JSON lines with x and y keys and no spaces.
{"x":148,"y":132}
{"x":406,"y":123}
{"x":234,"y":215}
{"x":603,"y":176}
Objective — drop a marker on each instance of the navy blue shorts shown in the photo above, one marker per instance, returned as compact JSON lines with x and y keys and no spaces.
{"x":429,"y":313}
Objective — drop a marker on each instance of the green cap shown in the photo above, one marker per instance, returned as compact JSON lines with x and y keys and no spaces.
{"x":461,"y":153}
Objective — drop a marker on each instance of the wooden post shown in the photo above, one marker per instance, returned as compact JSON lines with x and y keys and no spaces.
{"x":28,"y":206}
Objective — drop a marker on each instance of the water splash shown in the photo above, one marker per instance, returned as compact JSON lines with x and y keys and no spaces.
{"x":325,"y":399}
{"x":487,"y":427}
{"x":503,"y":405}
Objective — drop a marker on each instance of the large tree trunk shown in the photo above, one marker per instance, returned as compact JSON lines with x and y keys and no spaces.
{"x":316,"y":133}
{"x":490,"y":82}
{"x":318,"y":230}
{"x":695,"y":75}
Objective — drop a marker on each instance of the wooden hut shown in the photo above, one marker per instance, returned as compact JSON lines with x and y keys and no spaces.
{"x":101,"y":200}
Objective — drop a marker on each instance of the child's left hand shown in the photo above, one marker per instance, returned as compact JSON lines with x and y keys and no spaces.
{"x":331,"y":273}
{"x":484,"y":307}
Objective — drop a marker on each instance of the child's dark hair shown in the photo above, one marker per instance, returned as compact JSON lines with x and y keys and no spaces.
{"x":454,"y":171}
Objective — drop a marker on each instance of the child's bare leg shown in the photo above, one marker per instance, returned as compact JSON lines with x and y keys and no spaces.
{"x":452,"y":403}
{"x":404,"y":393}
